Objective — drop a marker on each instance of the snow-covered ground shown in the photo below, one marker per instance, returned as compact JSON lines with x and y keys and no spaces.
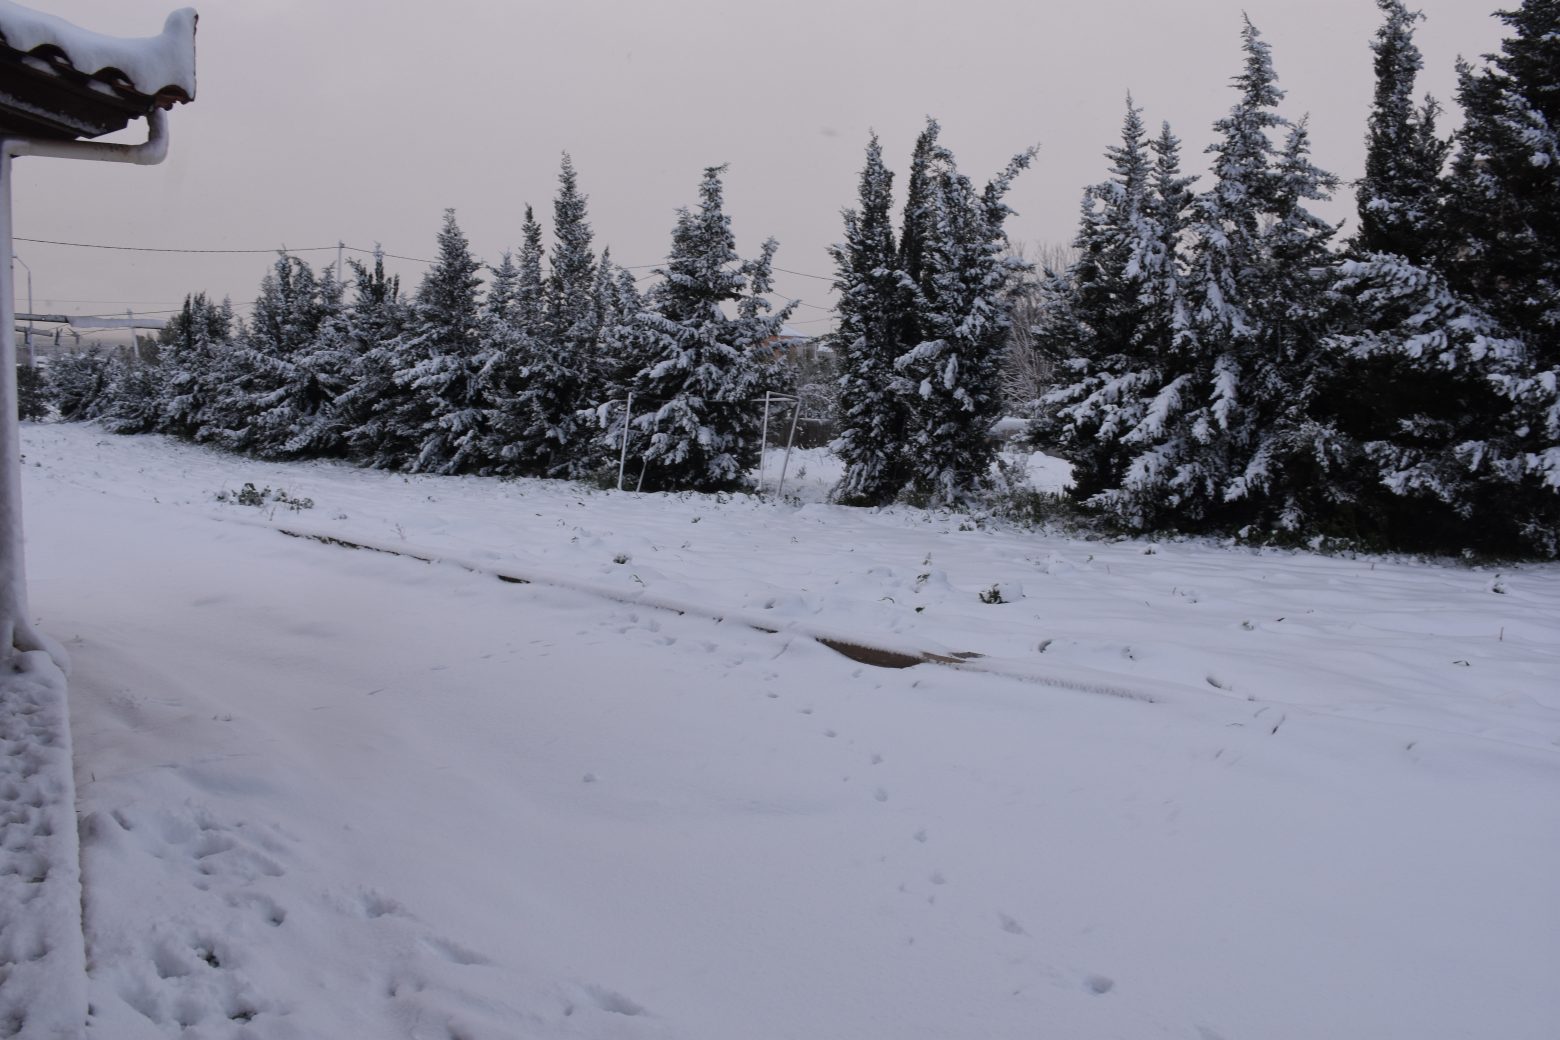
{"x":1184,"y":791}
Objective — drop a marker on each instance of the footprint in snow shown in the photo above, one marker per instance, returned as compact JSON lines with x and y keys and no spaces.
{"x":1010,"y":926}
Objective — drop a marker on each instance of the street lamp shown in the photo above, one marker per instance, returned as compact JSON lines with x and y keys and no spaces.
{"x":32,"y":358}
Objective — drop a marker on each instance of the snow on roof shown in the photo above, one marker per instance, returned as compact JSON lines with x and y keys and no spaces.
{"x":159,"y":67}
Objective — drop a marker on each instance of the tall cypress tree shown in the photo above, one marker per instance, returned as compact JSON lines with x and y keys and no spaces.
{"x":524,"y":327}
{"x":190,"y":343}
{"x":962,"y":284}
{"x":1105,"y":301}
{"x":1400,"y":195}
{"x":1503,"y":214}
{"x":561,"y":374}
{"x":375,"y":319}
{"x":623,"y":355}
{"x":1407,"y":379}
{"x":320,"y":373}
{"x":437,"y":361}
{"x":694,"y":400}
{"x":266,"y":384}
{"x":1225,"y":436}
{"x":873,"y":297}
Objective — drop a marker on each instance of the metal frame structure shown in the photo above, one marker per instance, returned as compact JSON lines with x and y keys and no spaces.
{"x":16,"y":629}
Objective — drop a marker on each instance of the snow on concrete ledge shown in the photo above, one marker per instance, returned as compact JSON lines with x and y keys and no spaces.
{"x":154,"y":65}
{"x":42,"y":960}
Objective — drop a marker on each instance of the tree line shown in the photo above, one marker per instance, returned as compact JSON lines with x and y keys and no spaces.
{"x":531,"y":374}
{"x":1219,"y":360}
{"x":1226,"y":366}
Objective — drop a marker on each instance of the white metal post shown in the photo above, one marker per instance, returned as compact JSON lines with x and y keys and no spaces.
{"x":13,"y":577}
{"x":763,"y":443}
{"x":796,"y":414}
{"x":628,"y":416}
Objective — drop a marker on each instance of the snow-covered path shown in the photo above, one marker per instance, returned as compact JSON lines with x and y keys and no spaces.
{"x":335,"y":793}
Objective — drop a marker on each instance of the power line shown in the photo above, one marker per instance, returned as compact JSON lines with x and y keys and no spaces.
{"x":317,"y":249}
{"x":804,"y":274}
{"x":154,"y":249}
{"x":273,"y":249}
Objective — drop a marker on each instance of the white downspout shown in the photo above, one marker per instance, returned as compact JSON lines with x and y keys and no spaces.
{"x":16,"y":628}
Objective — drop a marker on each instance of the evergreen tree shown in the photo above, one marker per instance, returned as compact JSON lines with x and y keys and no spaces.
{"x":320,"y":373}
{"x":560,"y":378}
{"x":962,"y":273}
{"x":1420,"y":384}
{"x":918,"y":224}
{"x":133,"y":399}
{"x":699,"y":421}
{"x":32,"y":393}
{"x":530,"y":287}
{"x":1226,"y":439}
{"x":502,"y":351}
{"x":1115,"y":303}
{"x":1503,"y":215}
{"x":499,"y":305}
{"x":375,"y":320}
{"x":873,"y":298}
{"x":437,"y":360}
{"x":623,"y":354}
{"x":80,"y":384}
{"x":1400,"y":194}
{"x":267,"y":386}
{"x":190,"y":344}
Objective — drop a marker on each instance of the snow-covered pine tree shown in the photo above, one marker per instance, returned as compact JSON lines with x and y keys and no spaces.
{"x":623,"y":355}
{"x":79,"y":383}
{"x":918,"y":222}
{"x":498,"y":305}
{"x":264,"y":384}
{"x":1419,"y":376}
{"x":561,"y":375}
{"x":190,"y":343}
{"x":525,"y":313}
{"x":695,"y":400}
{"x":320,"y":373}
{"x":962,"y":280}
{"x":1400,"y":195}
{"x":1225,"y":437}
{"x":502,"y":351}
{"x":438,"y":362}
{"x":375,"y":319}
{"x":32,"y":393}
{"x":1104,"y":302}
{"x":873,"y":299}
{"x":1406,"y":376}
{"x":1299,"y":474}
{"x":133,"y":401}
{"x":530,"y":302}
{"x":1503,"y":216}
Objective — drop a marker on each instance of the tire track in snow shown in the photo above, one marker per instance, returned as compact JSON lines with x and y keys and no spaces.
{"x":855,"y":648}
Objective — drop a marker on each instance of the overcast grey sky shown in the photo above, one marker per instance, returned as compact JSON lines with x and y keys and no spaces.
{"x":361,"y":120}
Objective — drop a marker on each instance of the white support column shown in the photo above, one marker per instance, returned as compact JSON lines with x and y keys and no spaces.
{"x":13,"y":577}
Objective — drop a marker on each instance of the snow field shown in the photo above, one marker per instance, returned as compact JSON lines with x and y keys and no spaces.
{"x":327,"y":792}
